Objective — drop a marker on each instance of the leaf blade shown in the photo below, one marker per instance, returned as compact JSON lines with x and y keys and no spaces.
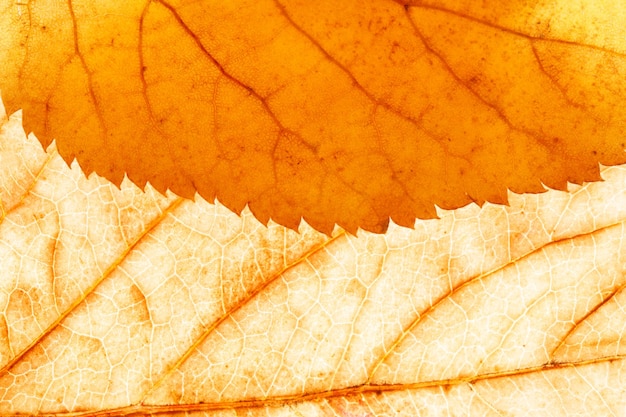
{"x":353,"y":324}
{"x":344,"y":120}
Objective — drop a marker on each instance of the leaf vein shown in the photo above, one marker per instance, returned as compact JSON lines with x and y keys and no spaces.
{"x":406,"y":331}
{"x":141,"y":409}
{"x":227,"y":314}
{"x":91,"y":288}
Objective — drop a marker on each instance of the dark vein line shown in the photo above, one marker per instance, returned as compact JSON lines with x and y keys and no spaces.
{"x":379,"y":137}
{"x":342,"y":67}
{"x":221,"y":68}
{"x":355,"y":82}
{"x":554,"y":81}
{"x":283,"y":130}
{"x":540,"y":298}
{"x":88,"y":73}
{"x":500,"y":113}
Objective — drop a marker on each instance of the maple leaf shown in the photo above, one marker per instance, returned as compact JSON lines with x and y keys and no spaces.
{"x":123,"y":302}
{"x":347,"y":113}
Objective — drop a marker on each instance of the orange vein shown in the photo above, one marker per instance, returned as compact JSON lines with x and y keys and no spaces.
{"x":92,"y":287}
{"x":140,"y":409}
{"x":235,"y":308}
{"x":590,"y":313}
{"x":471,"y":280}
{"x":221,"y":68}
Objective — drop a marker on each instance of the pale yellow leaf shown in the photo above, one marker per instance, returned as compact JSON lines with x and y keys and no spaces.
{"x":118,"y":302}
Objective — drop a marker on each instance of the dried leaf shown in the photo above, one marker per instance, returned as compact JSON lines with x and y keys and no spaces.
{"x":120,"y":302}
{"x":342,"y":113}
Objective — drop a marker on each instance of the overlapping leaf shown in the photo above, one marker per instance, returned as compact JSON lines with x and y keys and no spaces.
{"x":119,"y":302}
{"x":342,"y":113}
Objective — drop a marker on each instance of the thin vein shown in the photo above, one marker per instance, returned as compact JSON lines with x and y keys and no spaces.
{"x":406,"y":331}
{"x":510,"y":327}
{"x":53,"y":265}
{"x":27,"y":37}
{"x":554,"y":81}
{"x":472,"y":387}
{"x":220,"y":67}
{"x":6,"y":210}
{"x":584,"y":318}
{"x":465,"y":85}
{"x":88,"y":72}
{"x":515,"y":32}
{"x":595,"y":391}
{"x":353,"y":324}
{"x":209,"y":330}
{"x":168,"y":141}
{"x":283,"y":130}
{"x":340,"y":66}
{"x":92,"y":287}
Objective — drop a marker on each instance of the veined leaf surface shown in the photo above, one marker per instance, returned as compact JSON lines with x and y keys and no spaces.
{"x":347,"y":113}
{"x":119,"y":302}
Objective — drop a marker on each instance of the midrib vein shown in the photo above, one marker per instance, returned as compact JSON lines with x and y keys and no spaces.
{"x":140,"y":409}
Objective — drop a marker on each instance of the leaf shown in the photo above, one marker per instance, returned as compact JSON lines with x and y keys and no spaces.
{"x":120,"y":302}
{"x":345,"y":113}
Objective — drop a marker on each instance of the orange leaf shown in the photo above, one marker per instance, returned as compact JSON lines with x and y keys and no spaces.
{"x":349,"y":113}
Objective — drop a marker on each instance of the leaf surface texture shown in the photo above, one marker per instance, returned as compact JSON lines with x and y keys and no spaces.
{"x":346,"y":113}
{"x":124,"y":302}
